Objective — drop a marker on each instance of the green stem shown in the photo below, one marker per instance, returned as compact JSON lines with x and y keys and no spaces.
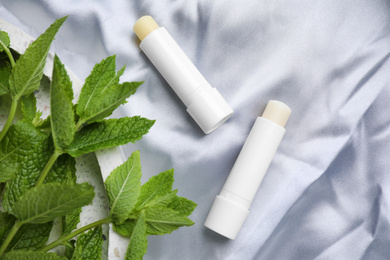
{"x":10,"y":118}
{"x":63,"y":239}
{"x":9,"y":54}
{"x":48,"y":166}
{"x":9,"y":237}
{"x":79,"y":124}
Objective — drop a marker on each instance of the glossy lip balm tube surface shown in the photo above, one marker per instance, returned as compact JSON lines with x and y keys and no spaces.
{"x":204,"y":103}
{"x":231,"y":207}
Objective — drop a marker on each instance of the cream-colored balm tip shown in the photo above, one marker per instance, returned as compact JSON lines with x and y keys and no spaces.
{"x":277,"y":112}
{"x":144,"y":25}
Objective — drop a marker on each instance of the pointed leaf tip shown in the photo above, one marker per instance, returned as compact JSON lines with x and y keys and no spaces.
{"x":28,"y":70}
{"x":123,"y":188}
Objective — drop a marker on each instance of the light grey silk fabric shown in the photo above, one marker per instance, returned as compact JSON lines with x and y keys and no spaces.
{"x":327,"y":192}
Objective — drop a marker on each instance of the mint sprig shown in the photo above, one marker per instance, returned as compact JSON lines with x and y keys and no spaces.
{"x":148,"y":208}
{"x":157,"y":211}
{"x":27,"y":72}
{"x":37,"y":161}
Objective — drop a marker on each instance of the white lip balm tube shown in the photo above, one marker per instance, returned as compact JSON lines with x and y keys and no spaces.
{"x":231,"y":207}
{"x":204,"y":103}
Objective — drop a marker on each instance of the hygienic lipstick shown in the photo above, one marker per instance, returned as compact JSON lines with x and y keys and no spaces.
{"x":231,"y":207}
{"x":204,"y":103}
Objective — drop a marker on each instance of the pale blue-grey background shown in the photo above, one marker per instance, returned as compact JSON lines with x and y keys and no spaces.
{"x":327,"y":193}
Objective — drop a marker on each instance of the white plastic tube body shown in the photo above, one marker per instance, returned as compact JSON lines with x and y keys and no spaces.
{"x":174,"y":65}
{"x":254,"y":159}
{"x":231,"y":207}
{"x":204,"y":103}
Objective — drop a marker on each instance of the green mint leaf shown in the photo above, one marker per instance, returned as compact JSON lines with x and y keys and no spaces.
{"x":71,"y":220}
{"x":109,"y":99}
{"x":102,"y":77}
{"x":4,"y":39}
{"x":6,"y":223}
{"x":31,"y":236}
{"x":160,"y":200}
{"x":61,"y":107}
{"x":19,"y":141}
{"x":5,"y":72}
{"x":183,"y":205}
{"x":162,"y":220}
{"x":31,"y":255}
{"x":138,"y":243}
{"x":46,"y":202}
{"x":123,"y":187}
{"x":62,"y":171}
{"x":109,"y":133}
{"x":158,"y":185}
{"x":89,"y":245}
{"x":28,"y":70}
{"x":29,"y":107}
{"x":126,"y":228}
{"x":28,"y":173}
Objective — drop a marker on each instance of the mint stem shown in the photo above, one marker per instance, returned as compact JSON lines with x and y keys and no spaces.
{"x":10,"y":118}
{"x":9,"y":54}
{"x":48,"y":166}
{"x":64,"y":239}
{"x":9,"y":237}
{"x":79,"y":124}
